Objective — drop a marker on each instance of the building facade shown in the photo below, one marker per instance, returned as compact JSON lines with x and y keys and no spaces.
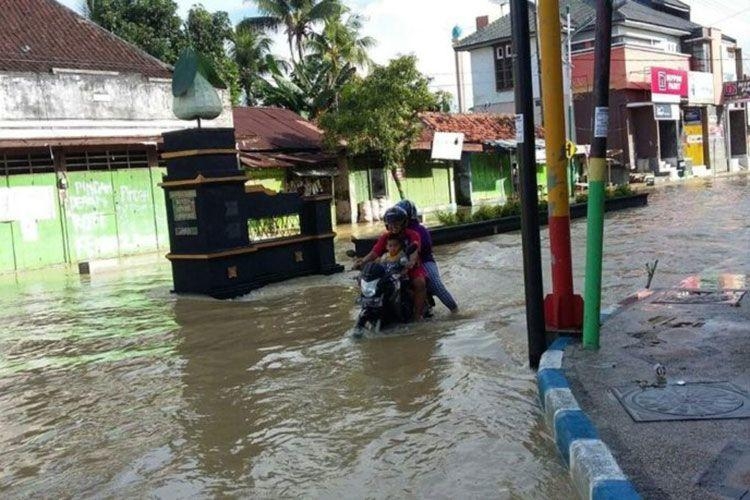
{"x":667,"y":109}
{"x":81,"y":118}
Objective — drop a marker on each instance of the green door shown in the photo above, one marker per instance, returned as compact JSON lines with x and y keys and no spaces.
{"x":134,"y":207}
{"x":90,"y":212}
{"x":37,"y":228}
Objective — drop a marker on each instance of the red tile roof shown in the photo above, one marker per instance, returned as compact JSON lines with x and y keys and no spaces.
{"x":38,"y":35}
{"x":477,"y":128}
{"x":274,"y":129}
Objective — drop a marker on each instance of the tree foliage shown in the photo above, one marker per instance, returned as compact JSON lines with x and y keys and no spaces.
{"x":379,"y":114}
{"x":209,"y":34}
{"x":296,"y":18}
{"x":152,"y":25}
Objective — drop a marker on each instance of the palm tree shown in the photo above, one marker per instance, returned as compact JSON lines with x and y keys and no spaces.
{"x":339,"y":43}
{"x":252,"y":53}
{"x":296,"y":17}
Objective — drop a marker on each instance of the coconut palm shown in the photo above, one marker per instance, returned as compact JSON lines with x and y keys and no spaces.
{"x":296,"y":17}
{"x":252,"y":53}
{"x":340,"y":44}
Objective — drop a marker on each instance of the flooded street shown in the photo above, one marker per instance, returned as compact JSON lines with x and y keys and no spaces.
{"x":112,"y":386}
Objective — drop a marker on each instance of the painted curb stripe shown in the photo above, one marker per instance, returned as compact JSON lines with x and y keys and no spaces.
{"x":555,"y":401}
{"x":570,"y":426}
{"x":550,"y":360}
{"x":561,"y":343}
{"x":614,"y":489}
{"x":593,"y":468}
{"x":550,"y":379}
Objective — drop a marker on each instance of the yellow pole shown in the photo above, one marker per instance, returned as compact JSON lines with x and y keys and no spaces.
{"x":563,"y":309}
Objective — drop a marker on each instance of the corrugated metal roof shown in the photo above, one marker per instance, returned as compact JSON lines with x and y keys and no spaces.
{"x":38,"y":35}
{"x":274,"y":129}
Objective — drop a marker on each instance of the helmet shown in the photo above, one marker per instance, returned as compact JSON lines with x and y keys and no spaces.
{"x":409,"y":208}
{"x":395,"y":215}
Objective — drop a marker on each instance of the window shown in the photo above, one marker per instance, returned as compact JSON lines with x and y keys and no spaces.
{"x":503,"y":67}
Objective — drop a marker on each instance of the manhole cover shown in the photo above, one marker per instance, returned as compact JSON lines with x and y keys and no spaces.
{"x":694,"y":401}
{"x":684,"y":296}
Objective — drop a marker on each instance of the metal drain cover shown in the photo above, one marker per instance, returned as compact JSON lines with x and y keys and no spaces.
{"x":690,"y":296}
{"x":693,"y":401}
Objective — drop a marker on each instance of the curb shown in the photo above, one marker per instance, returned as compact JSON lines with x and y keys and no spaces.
{"x":593,"y":468}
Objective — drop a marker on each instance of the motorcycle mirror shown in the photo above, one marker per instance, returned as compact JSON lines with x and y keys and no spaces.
{"x":351,"y":253}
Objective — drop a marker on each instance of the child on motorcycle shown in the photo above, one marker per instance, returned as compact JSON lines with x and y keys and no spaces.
{"x":396,"y":219}
{"x":391,"y":259}
{"x":435,"y":285}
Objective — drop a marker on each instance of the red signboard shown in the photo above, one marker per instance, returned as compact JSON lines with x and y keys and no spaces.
{"x":671,"y":82}
{"x":737,"y":91}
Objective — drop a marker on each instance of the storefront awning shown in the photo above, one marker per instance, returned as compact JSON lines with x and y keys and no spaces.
{"x":301,"y":160}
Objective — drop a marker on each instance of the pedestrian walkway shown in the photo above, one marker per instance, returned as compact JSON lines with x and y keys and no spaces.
{"x":668,"y":392}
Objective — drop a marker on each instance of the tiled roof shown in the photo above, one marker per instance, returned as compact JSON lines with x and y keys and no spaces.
{"x":274,"y":129}
{"x":478,"y":128}
{"x":498,"y":29}
{"x":582,"y":13}
{"x":38,"y":35}
{"x":634,"y":11}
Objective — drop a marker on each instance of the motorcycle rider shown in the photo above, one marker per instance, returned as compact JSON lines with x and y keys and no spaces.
{"x":396,"y":220}
{"x":435,"y":285}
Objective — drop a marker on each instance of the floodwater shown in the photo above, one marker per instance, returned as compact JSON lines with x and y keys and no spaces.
{"x":110,"y":386}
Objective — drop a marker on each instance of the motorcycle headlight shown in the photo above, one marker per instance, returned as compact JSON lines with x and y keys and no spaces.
{"x":369,"y":288}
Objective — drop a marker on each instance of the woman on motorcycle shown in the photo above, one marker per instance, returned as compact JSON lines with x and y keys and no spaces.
{"x":396,"y":220}
{"x":435,"y":285}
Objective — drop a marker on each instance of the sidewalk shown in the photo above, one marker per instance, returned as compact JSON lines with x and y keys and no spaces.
{"x":692,"y":437}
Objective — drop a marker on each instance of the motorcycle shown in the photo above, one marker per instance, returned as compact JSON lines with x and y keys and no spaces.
{"x":384,"y":299}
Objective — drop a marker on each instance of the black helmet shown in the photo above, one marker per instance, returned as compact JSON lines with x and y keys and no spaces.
{"x":395,"y":215}
{"x":409,"y":208}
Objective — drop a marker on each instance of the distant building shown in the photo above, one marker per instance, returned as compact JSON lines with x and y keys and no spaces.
{"x":666,"y":102}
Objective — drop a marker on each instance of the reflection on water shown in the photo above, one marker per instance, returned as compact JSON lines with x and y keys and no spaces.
{"x":111,"y":386}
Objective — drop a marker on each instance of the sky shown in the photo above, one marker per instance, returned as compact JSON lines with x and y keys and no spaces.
{"x":423,"y":27}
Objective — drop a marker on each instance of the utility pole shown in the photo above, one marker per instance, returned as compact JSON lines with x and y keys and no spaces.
{"x":597,"y":174}
{"x":571,"y":111}
{"x":532,"y":256}
{"x":563,"y":309}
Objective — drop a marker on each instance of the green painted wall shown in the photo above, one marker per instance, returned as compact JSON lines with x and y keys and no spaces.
{"x":37,"y":240}
{"x":160,"y":208}
{"x":90,"y":215}
{"x":7,"y":261}
{"x":490,"y":176}
{"x":270,"y":178}
{"x":134,"y":210}
{"x":426,"y":183}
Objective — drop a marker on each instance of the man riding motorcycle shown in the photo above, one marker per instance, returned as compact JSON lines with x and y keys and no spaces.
{"x":396,"y":220}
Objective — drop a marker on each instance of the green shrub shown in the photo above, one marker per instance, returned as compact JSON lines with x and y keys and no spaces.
{"x":623,"y":190}
{"x":446,"y":218}
{"x":581,"y":198}
{"x":485,"y":212}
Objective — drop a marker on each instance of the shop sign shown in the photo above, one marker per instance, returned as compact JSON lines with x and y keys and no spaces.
{"x":666,"y":112}
{"x":737,"y":91}
{"x":692,"y":115}
{"x":668,"y":85}
{"x":700,"y":87}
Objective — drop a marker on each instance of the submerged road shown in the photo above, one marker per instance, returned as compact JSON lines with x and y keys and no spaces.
{"x":112,"y":386}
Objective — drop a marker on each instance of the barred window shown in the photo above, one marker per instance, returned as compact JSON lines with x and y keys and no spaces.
{"x":503,"y":67}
